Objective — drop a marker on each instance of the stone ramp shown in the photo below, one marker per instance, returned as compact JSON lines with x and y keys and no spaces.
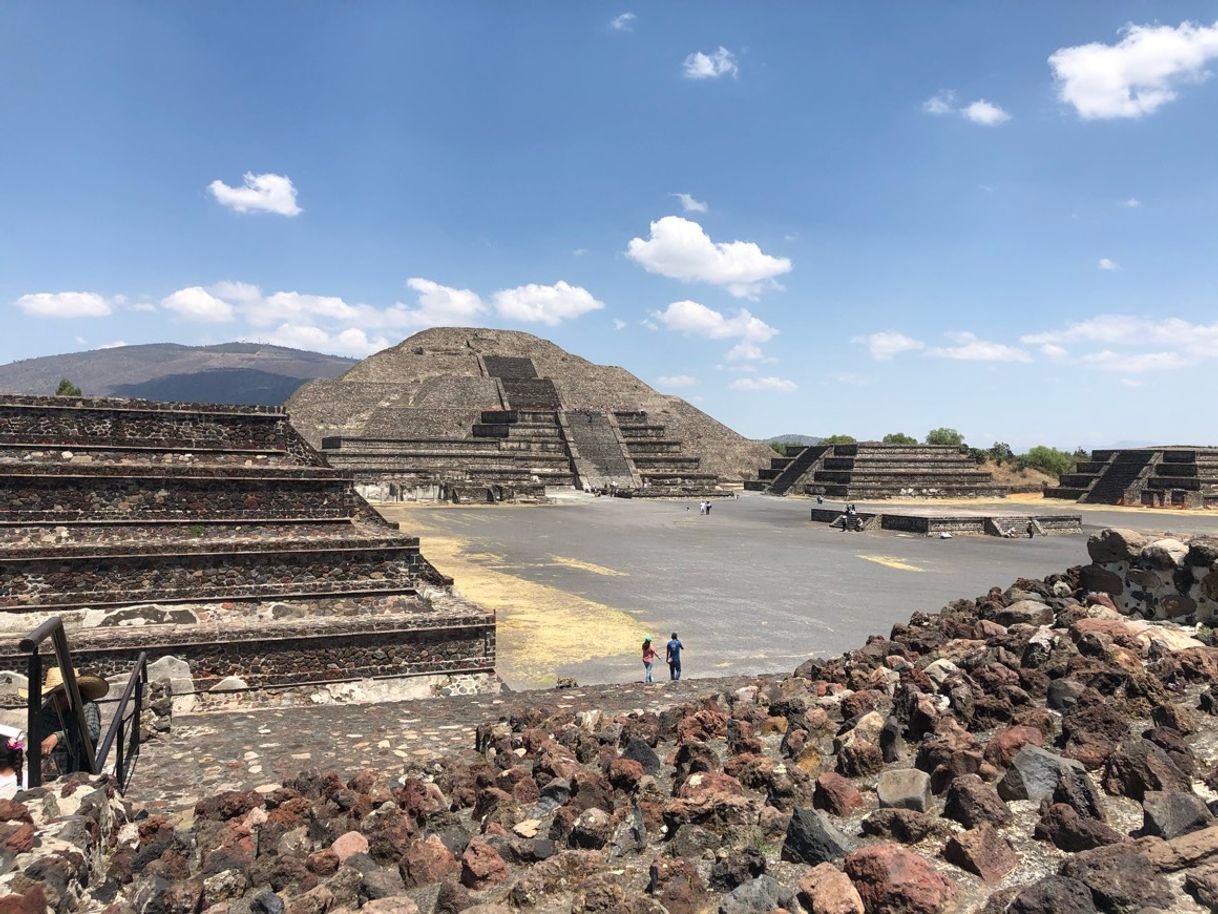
{"x":598,"y":451}
{"x":208,"y":753}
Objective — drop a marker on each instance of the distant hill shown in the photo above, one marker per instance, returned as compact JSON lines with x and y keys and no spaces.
{"x":802,"y":440}
{"x":240,"y":373}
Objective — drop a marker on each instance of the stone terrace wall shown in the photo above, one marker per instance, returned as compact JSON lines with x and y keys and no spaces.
{"x":294,"y":653}
{"x":78,"y":494}
{"x":1164,"y":578}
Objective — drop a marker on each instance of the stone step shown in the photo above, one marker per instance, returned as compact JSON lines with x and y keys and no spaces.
{"x":106,"y":577}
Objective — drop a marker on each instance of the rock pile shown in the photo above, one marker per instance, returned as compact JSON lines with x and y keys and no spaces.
{"x":1166,"y":578}
{"x":1029,"y":752}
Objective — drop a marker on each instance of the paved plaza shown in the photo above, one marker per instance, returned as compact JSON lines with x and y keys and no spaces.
{"x":753,"y":587}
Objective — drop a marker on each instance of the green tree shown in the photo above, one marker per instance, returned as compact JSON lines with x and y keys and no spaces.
{"x":899,"y":438}
{"x":1049,"y":460}
{"x":779,"y":449}
{"x":948,"y":436}
{"x":1001,"y":452}
{"x":67,"y":389}
{"x":839,"y":439}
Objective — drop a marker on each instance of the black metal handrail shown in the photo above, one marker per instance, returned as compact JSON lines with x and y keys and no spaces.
{"x":126,"y":745}
{"x":52,"y":628}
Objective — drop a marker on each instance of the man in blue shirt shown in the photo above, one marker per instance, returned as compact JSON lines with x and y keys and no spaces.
{"x":673,"y":656}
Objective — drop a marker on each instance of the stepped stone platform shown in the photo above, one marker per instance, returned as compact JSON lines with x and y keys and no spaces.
{"x":466,"y":414}
{"x":876,"y":471}
{"x":1177,"y":477}
{"x":218,"y":540}
{"x":956,"y":522}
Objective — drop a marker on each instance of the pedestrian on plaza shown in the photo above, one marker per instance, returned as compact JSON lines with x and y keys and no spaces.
{"x":1031,"y":528}
{"x":708,"y":507}
{"x":649,"y":658}
{"x":673,"y":656}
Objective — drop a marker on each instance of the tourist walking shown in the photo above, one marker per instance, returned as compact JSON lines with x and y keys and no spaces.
{"x":12,"y":757}
{"x":673,"y":656}
{"x":1031,"y":528}
{"x":649,"y":658}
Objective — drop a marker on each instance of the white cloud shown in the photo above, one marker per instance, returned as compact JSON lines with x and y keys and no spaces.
{"x":942,"y":103}
{"x":1054,"y":351}
{"x":1138,"y":74}
{"x":887,"y":343}
{"x":680,"y":249}
{"x":1130,"y":382}
{"x":720,"y":62}
{"x":619,"y":324}
{"x":1135,"y":363}
{"x":979,"y":112}
{"x":969,"y":348}
{"x":64,"y":304}
{"x":267,"y":193}
{"x":779,"y":385}
{"x":1105,"y":264}
{"x":197,"y":304}
{"x":623,"y":23}
{"x":691,"y":205}
{"x":352,"y":341}
{"x":579,"y":252}
{"x":1131,"y":203}
{"x":698,"y":320}
{"x":441,"y":306}
{"x":745,"y":351}
{"x":985,"y":113}
{"x":549,"y":305}
{"x":649,"y":324}
{"x":677,"y":380}
{"x":849,"y":377}
{"x":1134,"y":344}
{"x":113,"y":345}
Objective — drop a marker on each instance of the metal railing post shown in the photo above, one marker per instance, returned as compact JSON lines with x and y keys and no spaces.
{"x":33,"y":729}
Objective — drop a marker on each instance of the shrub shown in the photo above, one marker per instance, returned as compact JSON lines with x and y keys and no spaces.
{"x":1049,"y":460}
{"x":899,"y":438}
{"x":948,"y":436}
{"x":67,"y":389}
{"x":1001,"y":452}
{"x":779,"y":449}
{"x":839,"y":439}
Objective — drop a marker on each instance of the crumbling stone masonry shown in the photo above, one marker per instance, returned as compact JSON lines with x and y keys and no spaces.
{"x":217,"y":536}
{"x":1165,"y":578}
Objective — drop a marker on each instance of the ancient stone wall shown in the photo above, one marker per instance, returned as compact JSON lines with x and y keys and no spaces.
{"x":191,"y":495}
{"x":1166,"y":578}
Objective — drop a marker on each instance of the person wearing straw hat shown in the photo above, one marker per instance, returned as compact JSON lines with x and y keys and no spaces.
{"x":61,"y":744}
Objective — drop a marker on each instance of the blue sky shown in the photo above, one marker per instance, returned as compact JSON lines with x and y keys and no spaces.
{"x":999,"y":217}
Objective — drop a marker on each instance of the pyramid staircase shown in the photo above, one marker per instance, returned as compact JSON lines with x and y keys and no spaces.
{"x":876,"y":471}
{"x":1184,"y":477}
{"x":664,"y":468}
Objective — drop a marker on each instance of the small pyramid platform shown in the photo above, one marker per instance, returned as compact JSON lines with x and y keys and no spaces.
{"x":217,"y":535}
{"x":1177,"y":477}
{"x":868,"y":471}
{"x":469,"y":414}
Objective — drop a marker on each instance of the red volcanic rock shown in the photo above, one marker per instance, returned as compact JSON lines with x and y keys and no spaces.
{"x":481,"y":866}
{"x":677,"y":885}
{"x":349,"y":844}
{"x":981,"y":851}
{"x":835,"y":794}
{"x":427,"y":861}
{"x":825,"y":889}
{"x":1004,"y":744}
{"x":893,"y":880}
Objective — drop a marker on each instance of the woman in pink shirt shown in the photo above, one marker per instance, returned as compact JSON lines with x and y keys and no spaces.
{"x":649,"y":657}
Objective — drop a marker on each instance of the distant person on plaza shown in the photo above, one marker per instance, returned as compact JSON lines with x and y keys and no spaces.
{"x":708,"y":507}
{"x":673,"y":656}
{"x":649,"y":658}
{"x":1031,"y":529}
{"x":62,"y":747}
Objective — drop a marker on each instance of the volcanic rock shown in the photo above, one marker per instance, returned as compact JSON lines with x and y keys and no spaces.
{"x":972,"y":802}
{"x":893,"y":880}
{"x":811,"y":838}
{"x":981,"y":851}
{"x":904,"y":788}
{"x":1170,"y":813}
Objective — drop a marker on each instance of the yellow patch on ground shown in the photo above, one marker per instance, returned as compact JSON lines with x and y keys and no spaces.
{"x":539,"y":628}
{"x":588,"y":566}
{"x":889,"y":561}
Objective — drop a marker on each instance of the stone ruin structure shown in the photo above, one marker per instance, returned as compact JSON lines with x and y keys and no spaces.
{"x":481,"y":415}
{"x":1156,"y":578}
{"x":869,"y":471}
{"x":1173,"y":477}
{"x":218,"y":540}
{"x":1030,"y":751}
